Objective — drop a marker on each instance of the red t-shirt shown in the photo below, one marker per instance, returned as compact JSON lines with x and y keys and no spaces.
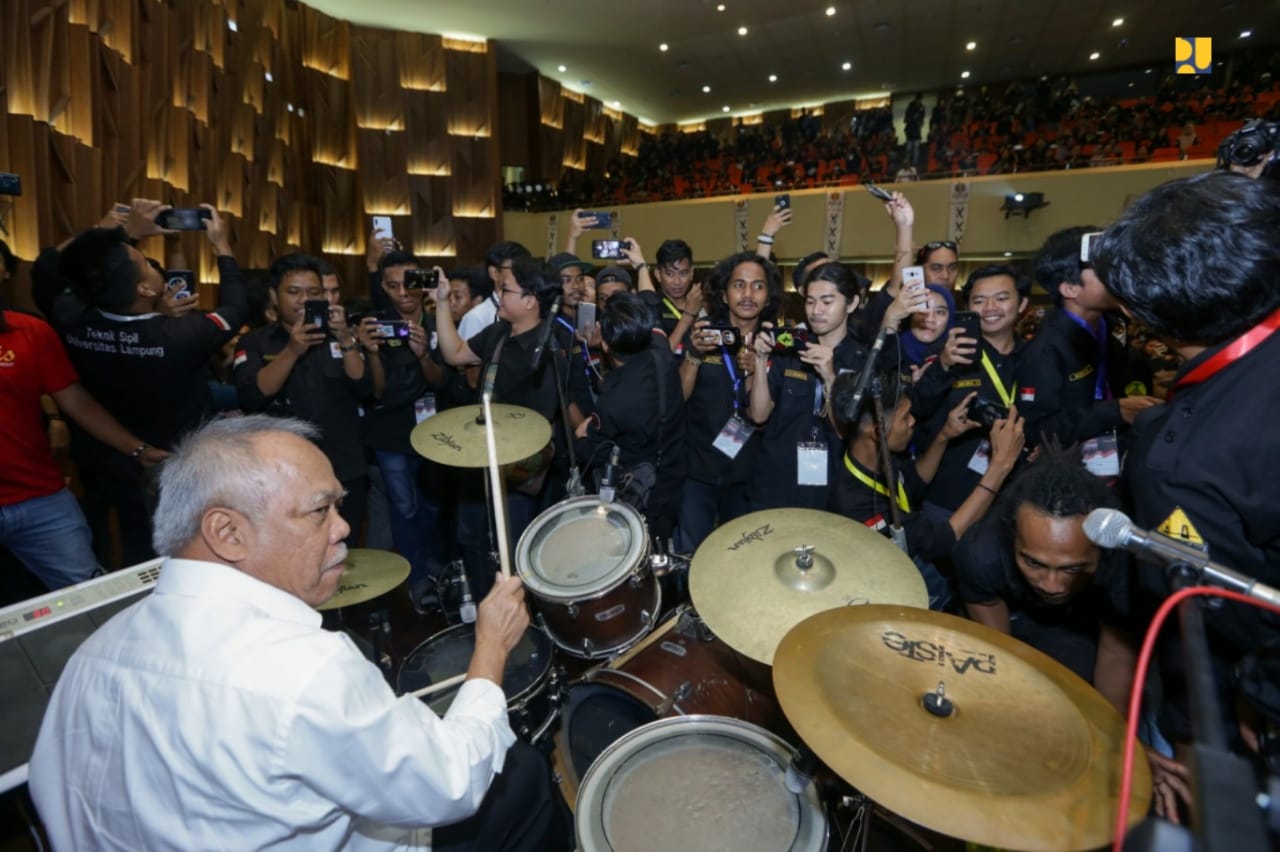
{"x":32,"y":362}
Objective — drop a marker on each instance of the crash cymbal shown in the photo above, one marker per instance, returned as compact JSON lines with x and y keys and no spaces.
{"x":747,"y":585}
{"x":1029,"y":758}
{"x":369,"y":573}
{"x":454,"y":437}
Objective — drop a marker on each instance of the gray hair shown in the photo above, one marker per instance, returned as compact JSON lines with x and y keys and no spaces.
{"x":216,"y":465}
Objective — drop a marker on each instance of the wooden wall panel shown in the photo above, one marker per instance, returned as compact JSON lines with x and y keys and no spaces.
{"x":280,"y":124}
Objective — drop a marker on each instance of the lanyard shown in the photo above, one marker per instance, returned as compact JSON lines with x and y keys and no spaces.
{"x":671,"y":306}
{"x":573,"y":336}
{"x":1006,"y":396}
{"x":733,"y":376}
{"x":877,"y":486}
{"x":1232,"y":352}
{"x":1101,"y":390}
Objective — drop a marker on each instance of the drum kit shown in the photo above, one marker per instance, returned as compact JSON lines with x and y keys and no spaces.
{"x":807,"y":652}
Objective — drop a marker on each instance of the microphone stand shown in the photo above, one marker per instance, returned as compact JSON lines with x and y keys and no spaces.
{"x":864,"y":377}
{"x":573,"y":487}
{"x":1227,"y":814}
{"x":896,"y":531}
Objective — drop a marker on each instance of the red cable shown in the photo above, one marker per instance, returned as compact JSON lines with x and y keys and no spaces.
{"x":1140,"y":678}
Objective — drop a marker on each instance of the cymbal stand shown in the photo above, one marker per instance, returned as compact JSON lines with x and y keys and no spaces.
{"x":574,"y":487}
{"x":896,"y":532}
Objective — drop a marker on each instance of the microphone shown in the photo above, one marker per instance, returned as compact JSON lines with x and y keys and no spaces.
{"x":800,"y":771}
{"x":849,"y":413}
{"x":1112,"y":529}
{"x":608,"y":483}
{"x":467,"y":609}
{"x":548,"y":324}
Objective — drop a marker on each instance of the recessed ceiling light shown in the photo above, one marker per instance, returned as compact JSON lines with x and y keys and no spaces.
{"x":846,"y":66}
{"x":706,"y":90}
{"x":617,"y":104}
{"x":742,"y":30}
{"x":232,"y":25}
{"x":663,"y":47}
{"x":724,"y":109}
{"x":1095,"y":55}
{"x":973,"y":45}
{"x":1246,"y":33}
{"x":1017,"y":196}
{"x":270,"y":79}
{"x":831,"y":10}
{"x":1148,"y":71}
{"x":964,"y":75}
{"x":1118,"y":22}
{"x":563,"y":68}
{"x":1008,"y":254}
{"x":289,"y":107}
{"x":720,"y":8}
{"x":773,"y":78}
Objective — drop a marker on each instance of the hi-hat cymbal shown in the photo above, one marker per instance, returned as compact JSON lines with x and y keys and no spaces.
{"x":1028,"y":759}
{"x":369,"y":573}
{"x":455,"y":438}
{"x":747,"y":585}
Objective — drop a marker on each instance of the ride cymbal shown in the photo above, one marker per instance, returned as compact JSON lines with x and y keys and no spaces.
{"x":1027,"y":758}
{"x":369,"y":573}
{"x":457,"y":437}
{"x":755,"y":578}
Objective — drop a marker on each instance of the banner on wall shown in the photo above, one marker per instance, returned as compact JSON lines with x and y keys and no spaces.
{"x":553,"y":234}
{"x":741,"y":215}
{"x":835,"y":224}
{"x":959,"y":217}
{"x":615,"y":233}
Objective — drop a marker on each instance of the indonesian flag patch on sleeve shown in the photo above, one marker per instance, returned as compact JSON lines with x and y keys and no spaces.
{"x":241,"y":357}
{"x":1027,"y":395}
{"x":877,"y":523}
{"x":216,"y":319}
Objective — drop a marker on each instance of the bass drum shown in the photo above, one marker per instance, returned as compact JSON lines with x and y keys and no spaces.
{"x":585,"y":566}
{"x":679,"y":669}
{"x":533,"y":686}
{"x":697,"y":782}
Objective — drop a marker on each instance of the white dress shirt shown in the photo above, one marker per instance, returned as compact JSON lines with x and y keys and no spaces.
{"x":479,"y":318}
{"x":216,"y":713}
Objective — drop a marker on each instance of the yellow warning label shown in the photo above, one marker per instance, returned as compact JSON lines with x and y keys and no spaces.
{"x":1179,"y":526}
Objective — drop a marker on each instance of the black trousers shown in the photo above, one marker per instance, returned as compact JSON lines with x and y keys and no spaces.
{"x":522,"y":812}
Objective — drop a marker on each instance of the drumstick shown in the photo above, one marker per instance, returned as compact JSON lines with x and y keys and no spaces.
{"x":439,"y":687}
{"x":495,"y":481}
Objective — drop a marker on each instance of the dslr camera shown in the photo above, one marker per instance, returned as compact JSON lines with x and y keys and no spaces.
{"x":986,"y":412}
{"x":421,"y":279}
{"x":1250,"y":145}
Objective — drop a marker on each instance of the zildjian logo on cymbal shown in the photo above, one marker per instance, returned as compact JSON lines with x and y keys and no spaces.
{"x":447,"y":440}
{"x":756,"y":534}
{"x":924,"y":651}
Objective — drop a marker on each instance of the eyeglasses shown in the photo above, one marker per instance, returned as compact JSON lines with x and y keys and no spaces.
{"x":505,"y":290}
{"x":937,"y":244}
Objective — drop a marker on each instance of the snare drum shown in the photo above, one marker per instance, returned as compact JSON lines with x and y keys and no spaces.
{"x":533,"y":686}
{"x":681,"y":668}
{"x":585,"y":565}
{"x":697,"y":782}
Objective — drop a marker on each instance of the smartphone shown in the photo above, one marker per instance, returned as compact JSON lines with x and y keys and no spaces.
{"x":182,"y":280}
{"x":392,"y":329}
{"x":790,"y":341}
{"x":913,"y":277}
{"x":586,"y":318}
{"x":604,"y":221}
{"x":877,"y":192}
{"x":382,"y":227}
{"x":184,"y":219}
{"x":421,"y":279}
{"x":1086,"y":246}
{"x":316,"y":312}
{"x":10,"y":184}
{"x":609,"y":249}
{"x":783,"y":202}
{"x":726,"y":336}
{"x":971,"y":323}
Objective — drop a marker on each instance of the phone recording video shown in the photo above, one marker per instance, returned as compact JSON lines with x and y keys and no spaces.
{"x":913,"y":277}
{"x":604,"y":221}
{"x":724,"y":335}
{"x":609,"y":249}
{"x":316,"y":312}
{"x":421,"y":279}
{"x":877,"y":192}
{"x":783,"y":202}
{"x":184,"y":219}
{"x":1086,"y":246}
{"x":971,"y":323}
{"x":392,"y":330}
{"x":790,"y":340}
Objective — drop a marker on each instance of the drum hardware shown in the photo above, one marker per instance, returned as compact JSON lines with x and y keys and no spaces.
{"x":380,"y":637}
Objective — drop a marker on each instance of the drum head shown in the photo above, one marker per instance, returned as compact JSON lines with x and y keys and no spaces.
{"x":580,"y":548}
{"x":594,"y":718}
{"x":696,"y":782}
{"x":448,"y":653}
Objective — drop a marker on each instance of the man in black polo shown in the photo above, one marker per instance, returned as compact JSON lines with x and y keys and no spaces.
{"x":1198,"y":260}
{"x":150,"y":370}
{"x":1069,"y":375}
{"x":294,"y":369}
{"x":505,"y":351}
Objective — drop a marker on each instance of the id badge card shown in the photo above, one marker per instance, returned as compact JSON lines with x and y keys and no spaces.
{"x":733,"y":436}
{"x":1101,"y":455}
{"x":811,"y":463}
{"x":981,"y":458}
{"x":334,"y":349}
{"x":424,"y":408}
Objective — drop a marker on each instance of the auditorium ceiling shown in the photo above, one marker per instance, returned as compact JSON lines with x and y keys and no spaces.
{"x":815,"y":50}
